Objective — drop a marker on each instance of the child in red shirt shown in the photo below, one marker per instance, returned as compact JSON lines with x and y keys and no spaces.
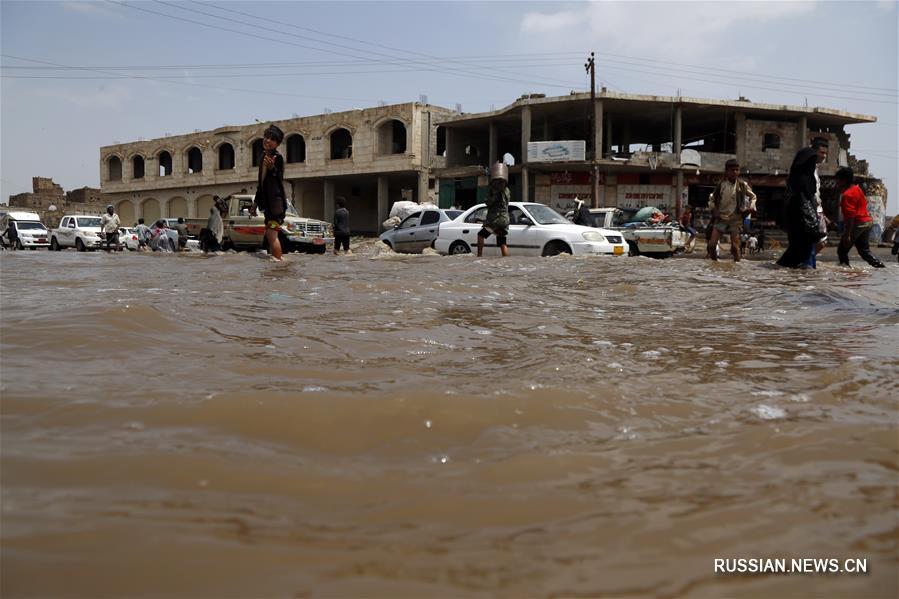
{"x":857,"y":222}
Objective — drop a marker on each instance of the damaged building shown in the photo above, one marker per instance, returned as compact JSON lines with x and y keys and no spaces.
{"x":372,"y":157}
{"x":646,"y":150}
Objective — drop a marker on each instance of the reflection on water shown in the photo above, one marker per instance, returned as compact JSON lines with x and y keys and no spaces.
{"x":385,"y":425}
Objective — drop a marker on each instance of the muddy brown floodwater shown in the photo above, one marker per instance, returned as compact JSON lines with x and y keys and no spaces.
{"x":382,"y":425}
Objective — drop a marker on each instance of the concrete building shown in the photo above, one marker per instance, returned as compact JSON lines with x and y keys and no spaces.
{"x":653,"y":150}
{"x":371,"y":156}
{"x":52,"y":203}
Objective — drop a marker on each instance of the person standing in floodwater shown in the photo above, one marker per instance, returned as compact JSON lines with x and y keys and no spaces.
{"x":497,"y":221}
{"x":270,"y":195}
{"x":109,"y":225}
{"x":730,"y":202}
{"x":341,"y":227}
{"x":801,"y":220}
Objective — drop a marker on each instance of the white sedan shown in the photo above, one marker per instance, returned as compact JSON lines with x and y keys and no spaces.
{"x":534,"y":230}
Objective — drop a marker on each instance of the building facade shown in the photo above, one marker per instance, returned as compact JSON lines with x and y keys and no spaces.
{"x":646,"y":150}
{"x":51,"y":203}
{"x":372,"y":157}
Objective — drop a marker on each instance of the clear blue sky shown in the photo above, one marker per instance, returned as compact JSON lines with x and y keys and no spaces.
{"x":340,"y":55}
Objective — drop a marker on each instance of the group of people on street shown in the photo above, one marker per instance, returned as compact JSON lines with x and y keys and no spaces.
{"x":732,"y":202}
{"x":805,"y":222}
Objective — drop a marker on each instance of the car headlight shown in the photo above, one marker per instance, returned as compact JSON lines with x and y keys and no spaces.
{"x":593,"y":236}
{"x":290,"y":227}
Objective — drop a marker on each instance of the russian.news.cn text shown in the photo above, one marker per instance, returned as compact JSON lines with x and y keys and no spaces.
{"x":800,"y":565}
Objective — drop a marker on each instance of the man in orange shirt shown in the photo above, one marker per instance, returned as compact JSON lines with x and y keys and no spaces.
{"x":856,"y":220}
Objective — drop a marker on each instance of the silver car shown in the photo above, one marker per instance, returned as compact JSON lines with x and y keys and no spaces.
{"x":418,"y":230}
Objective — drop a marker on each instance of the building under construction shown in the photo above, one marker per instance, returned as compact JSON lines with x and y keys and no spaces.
{"x":644,"y":150}
{"x":640,"y":150}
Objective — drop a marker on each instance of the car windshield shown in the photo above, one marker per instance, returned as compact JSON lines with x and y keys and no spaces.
{"x":544,"y":215}
{"x":88,"y":222}
{"x":29,"y":226}
{"x":291,"y":210}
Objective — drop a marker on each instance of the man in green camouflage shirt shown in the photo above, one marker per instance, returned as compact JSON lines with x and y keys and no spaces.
{"x":497,"y":221}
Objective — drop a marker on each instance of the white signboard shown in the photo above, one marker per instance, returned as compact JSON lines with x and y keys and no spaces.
{"x":557,"y":151}
{"x":639,"y":196}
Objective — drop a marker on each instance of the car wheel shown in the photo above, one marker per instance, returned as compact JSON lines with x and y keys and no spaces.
{"x":387,"y":243}
{"x":434,"y":245}
{"x":79,"y":245}
{"x":459,"y":247}
{"x":54,"y":245}
{"x":19,"y":245}
{"x":634,"y":250}
{"x":554,"y":248}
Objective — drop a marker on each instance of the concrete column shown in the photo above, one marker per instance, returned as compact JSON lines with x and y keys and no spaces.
{"x":524,"y":184}
{"x":678,"y":191}
{"x":138,"y":209}
{"x":328,"y":208}
{"x":492,"y":152}
{"x":163,"y":208}
{"x":802,"y":140}
{"x":678,"y":132}
{"x":192,"y":208}
{"x":383,"y":200}
{"x":422,"y":187}
{"x":597,"y":136}
{"x":626,"y":136}
{"x":525,"y":136}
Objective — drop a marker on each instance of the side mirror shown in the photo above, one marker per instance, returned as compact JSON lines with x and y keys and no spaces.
{"x":525,"y":221}
{"x":396,"y":227}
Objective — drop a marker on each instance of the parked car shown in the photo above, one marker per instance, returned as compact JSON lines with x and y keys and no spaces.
{"x":534,"y":230}
{"x":30,"y":232}
{"x":418,"y":230}
{"x":128,"y":238}
{"x":78,"y":231}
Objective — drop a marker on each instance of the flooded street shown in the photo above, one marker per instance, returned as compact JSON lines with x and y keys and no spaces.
{"x":384,"y":425}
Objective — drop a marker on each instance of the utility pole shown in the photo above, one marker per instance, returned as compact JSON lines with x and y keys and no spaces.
{"x":590,"y":67}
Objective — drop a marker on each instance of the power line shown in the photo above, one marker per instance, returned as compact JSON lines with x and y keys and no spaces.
{"x":735,"y":82}
{"x":280,"y":41}
{"x":731,"y":71}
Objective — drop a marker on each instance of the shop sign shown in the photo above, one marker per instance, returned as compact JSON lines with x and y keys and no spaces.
{"x":557,"y":151}
{"x":640,"y":196}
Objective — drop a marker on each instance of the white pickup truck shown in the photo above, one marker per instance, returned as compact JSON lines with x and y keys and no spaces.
{"x":657,"y":241}
{"x":80,"y":231}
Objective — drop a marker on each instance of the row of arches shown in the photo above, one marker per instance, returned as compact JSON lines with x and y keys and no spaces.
{"x":391,"y":139}
{"x":151,"y":209}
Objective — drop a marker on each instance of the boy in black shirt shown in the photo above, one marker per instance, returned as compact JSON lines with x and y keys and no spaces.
{"x":270,"y":196}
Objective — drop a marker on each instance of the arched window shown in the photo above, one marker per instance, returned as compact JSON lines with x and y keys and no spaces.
{"x":341,"y":144}
{"x":137,"y":167}
{"x":296,"y":148}
{"x":226,"y":157}
{"x":165,"y":164}
{"x":392,"y":137}
{"x":256,"y":149}
{"x":194,"y":160}
{"x":771,"y":141}
{"x":115,"y":168}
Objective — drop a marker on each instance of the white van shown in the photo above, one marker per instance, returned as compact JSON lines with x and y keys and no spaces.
{"x":81,"y":231}
{"x":29,"y":231}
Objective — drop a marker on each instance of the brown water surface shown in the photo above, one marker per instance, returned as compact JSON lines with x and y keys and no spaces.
{"x":380,"y":425}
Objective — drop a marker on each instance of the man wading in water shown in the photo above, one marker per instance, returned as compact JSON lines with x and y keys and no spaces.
{"x":731,"y":201}
{"x":270,"y":196}
{"x":497,"y":221}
